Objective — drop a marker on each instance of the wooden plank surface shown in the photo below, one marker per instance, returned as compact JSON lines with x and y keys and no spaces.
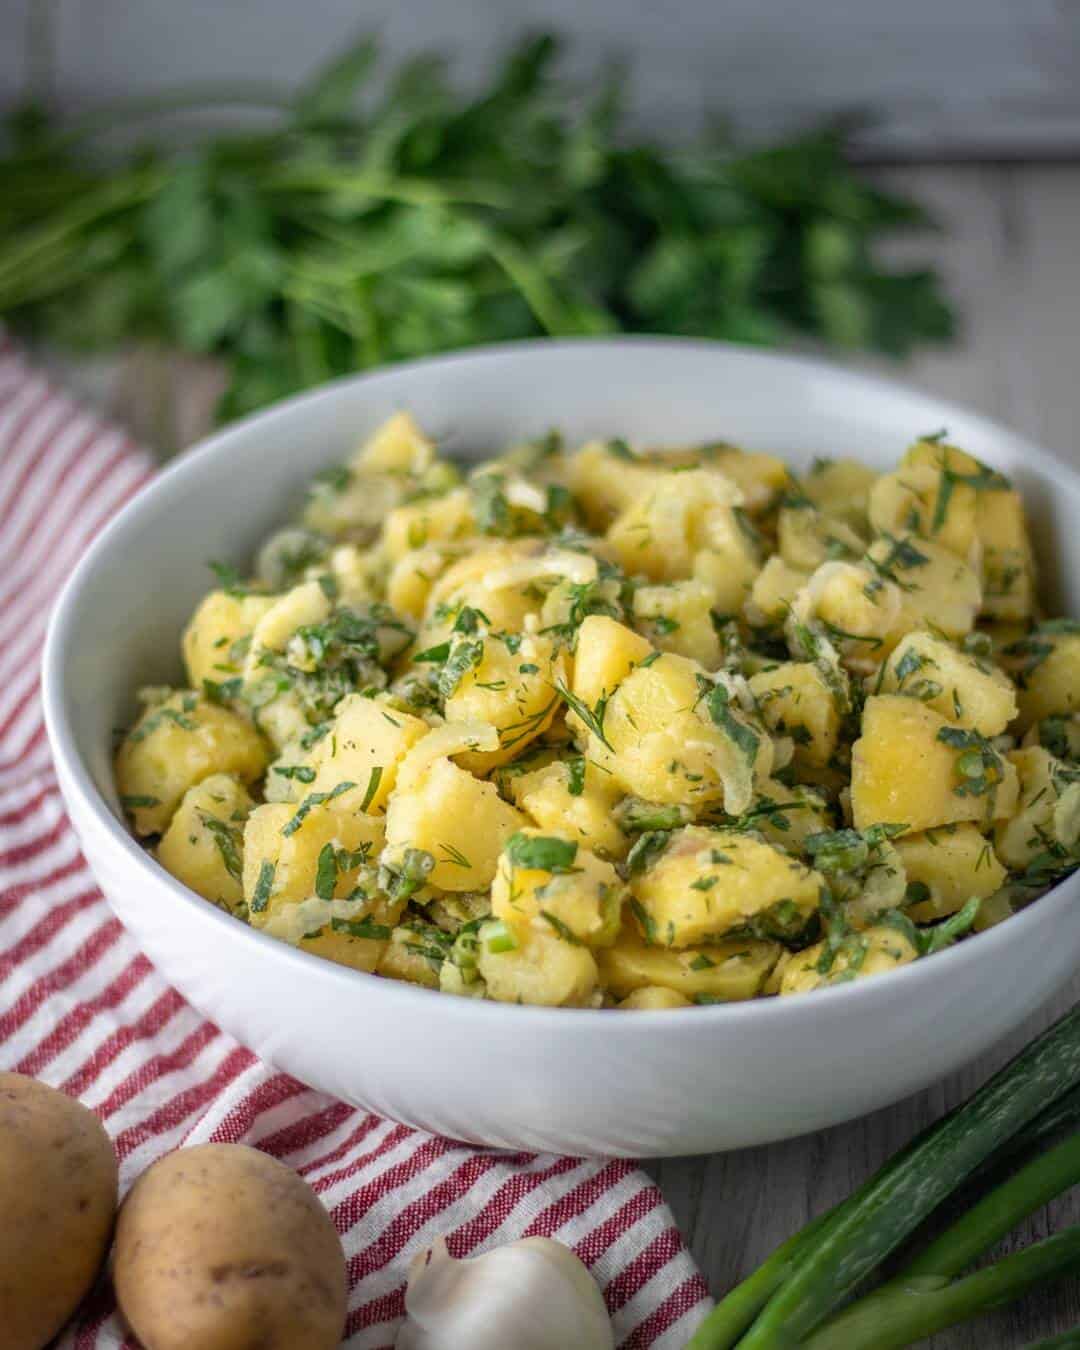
{"x":986,"y":77}
{"x":1011,"y":251}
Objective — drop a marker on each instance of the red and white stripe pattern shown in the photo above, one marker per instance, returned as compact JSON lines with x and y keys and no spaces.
{"x":83,"y":1009}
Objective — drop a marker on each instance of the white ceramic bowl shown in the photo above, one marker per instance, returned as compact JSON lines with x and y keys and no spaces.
{"x":579,"y":1082}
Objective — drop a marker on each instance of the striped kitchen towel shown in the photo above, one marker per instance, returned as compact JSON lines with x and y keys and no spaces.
{"x":83,"y":1009}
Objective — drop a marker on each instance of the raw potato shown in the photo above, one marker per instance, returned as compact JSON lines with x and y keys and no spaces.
{"x":221,"y":1247}
{"x":58,"y":1187}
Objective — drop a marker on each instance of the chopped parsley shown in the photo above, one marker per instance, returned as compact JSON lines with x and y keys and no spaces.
{"x":261,"y":896}
{"x":541,"y":853}
{"x":312,"y":800}
{"x":592,"y":717}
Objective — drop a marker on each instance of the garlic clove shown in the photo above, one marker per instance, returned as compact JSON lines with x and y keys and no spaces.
{"x":533,"y":1294}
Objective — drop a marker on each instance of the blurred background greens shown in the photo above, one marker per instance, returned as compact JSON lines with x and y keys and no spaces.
{"x":381,"y":211}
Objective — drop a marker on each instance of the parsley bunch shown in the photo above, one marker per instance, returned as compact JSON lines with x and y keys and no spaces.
{"x":387,"y":218}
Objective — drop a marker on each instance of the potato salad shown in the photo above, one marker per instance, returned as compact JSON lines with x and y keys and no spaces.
{"x":622,"y":727}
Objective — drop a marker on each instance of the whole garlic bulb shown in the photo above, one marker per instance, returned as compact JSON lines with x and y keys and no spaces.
{"x":533,"y":1294}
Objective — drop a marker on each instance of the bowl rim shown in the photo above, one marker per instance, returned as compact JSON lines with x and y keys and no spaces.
{"x":75,"y":775}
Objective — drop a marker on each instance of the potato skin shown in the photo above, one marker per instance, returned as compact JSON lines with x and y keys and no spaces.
{"x":221,"y":1247}
{"x":58,"y":1189}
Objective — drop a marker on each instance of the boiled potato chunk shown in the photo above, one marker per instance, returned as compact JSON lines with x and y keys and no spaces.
{"x":291,"y":839}
{"x":786,"y":816}
{"x":469,"y":581}
{"x":795,"y":701}
{"x":932,"y":494}
{"x":874,"y":951}
{"x":1008,"y":562}
{"x":434,"y":520}
{"x":282,"y":877}
{"x":548,"y":795}
{"x":653,"y":998}
{"x":905,"y":771}
{"x":714,"y":972}
{"x":1047,"y":820}
{"x":368,"y":740}
{"x":174,"y":745}
{"x":841,"y":488}
{"x":678,"y":618}
{"x":213,"y":641}
{"x":204,"y":844}
{"x":945,"y":867}
{"x":936,"y":587}
{"x":607,"y":651}
{"x":355,"y":499}
{"x":773,"y":593}
{"x":460,"y":820}
{"x":861,"y":613}
{"x":674,"y":738}
{"x":806,"y":538}
{"x":968,"y":691}
{"x":301,"y":607}
{"x":401,"y":959}
{"x":551,"y":882}
{"x":222,"y":1246}
{"x":606,"y":477}
{"x":541,"y":969}
{"x":1046,"y":667}
{"x":397,"y":446}
{"x":661,"y":532}
{"x":511,"y":690}
{"x":708,"y":883}
{"x":408,"y":586}
{"x":759,"y":477}
{"x":58,"y":1185}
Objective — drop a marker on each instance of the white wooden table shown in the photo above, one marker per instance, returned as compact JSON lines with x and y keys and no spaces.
{"x":1012,"y":256}
{"x":1010,"y":251}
